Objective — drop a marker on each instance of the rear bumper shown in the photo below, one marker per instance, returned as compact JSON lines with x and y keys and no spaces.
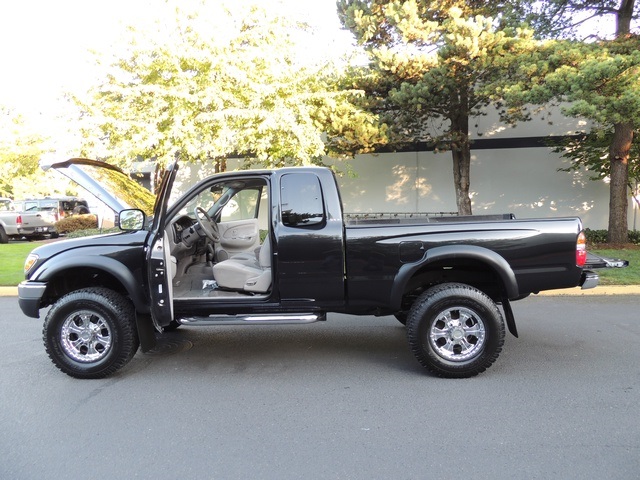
{"x":30,"y":296}
{"x":589,"y":279}
{"x":32,"y":231}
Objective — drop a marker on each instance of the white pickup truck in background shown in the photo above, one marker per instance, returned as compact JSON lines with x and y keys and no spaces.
{"x":31,"y":223}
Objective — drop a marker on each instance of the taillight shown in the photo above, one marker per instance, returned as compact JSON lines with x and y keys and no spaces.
{"x":19,"y":220}
{"x":581,"y":250}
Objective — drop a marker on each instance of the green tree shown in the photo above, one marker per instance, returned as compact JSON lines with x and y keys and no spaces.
{"x":580,"y":19}
{"x":433,"y":66}
{"x":590,"y":150}
{"x":607,"y":91}
{"x":614,"y":103}
{"x":20,"y":150}
{"x":602,"y":82}
{"x":214,"y":86}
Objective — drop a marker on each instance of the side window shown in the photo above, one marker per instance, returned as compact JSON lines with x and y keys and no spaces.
{"x":30,"y":206}
{"x":50,"y":205}
{"x":242,"y":206}
{"x":301,"y":200}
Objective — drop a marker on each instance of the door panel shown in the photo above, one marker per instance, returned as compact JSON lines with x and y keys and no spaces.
{"x":160,"y":285}
{"x":159,"y":256}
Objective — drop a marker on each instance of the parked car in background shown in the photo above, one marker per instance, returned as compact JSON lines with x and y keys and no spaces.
{"x":17,"y":224}
{"x":60,"y":206}
{"x":36,"y":217}
{"x":8,"y":220}
{"x":6,"y":204}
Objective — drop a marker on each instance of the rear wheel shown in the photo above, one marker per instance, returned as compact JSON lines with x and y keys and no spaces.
{"x":4,"y":238}
{"x":455,"y":330}
{"x":91,"y":333}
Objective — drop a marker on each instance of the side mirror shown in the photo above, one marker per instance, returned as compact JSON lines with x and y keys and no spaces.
{"x":131,"y":220}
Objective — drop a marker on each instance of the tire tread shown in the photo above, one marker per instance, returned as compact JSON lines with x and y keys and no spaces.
{"x":428,"y":359}
{"x":126,"y":338}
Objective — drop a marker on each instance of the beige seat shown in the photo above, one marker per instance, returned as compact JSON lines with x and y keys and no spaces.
{"x":247,"y":257}
{"x":246,"y":274}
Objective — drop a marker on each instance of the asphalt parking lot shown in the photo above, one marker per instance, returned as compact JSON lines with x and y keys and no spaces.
{"x":339,"y":399}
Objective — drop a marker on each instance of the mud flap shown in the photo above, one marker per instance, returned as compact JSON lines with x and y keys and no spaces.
{"x":146,"y":333}
{"x":509,"y":317}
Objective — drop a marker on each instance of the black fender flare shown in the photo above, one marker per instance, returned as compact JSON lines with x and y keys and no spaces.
{"x":109,"y":265}
{"x":456,"y":252}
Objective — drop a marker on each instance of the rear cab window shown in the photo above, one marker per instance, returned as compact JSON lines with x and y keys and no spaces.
{"x":301,"y":201}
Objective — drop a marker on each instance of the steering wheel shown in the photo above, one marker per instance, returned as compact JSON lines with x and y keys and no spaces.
{"x":210,"y":227}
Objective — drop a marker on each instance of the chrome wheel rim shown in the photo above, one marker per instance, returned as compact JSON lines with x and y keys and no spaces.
{"x":457,"y":334}
{"x":86,"y":337}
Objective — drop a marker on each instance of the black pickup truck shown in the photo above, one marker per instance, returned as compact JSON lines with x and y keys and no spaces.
{"x":273,"y":246}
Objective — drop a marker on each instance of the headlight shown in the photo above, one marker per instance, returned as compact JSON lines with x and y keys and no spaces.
{"x":30,"y":262}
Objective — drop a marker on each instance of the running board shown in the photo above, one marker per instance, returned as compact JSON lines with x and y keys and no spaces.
{"x":266,"y":319}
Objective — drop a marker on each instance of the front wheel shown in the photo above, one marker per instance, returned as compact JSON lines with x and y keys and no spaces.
{"x":455,"y":330}
{"x":91,"y":333}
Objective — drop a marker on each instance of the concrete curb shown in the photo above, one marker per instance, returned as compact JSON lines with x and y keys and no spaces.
{"x":604,"y":290}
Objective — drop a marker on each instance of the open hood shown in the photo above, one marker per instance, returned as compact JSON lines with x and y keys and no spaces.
{"x":108,"y":183}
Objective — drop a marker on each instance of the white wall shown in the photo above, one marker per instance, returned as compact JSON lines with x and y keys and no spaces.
{"x":398,"y":182}
{"x":527,"y":182}
{"x":523,"y":181}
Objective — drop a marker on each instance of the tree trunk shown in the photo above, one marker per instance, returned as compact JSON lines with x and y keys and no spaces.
{"x":619,"y":151}
{"x":220,"y":165}
{"x":461,"y":153}
{"x":618,"y":188}
{"x":623,"y":17}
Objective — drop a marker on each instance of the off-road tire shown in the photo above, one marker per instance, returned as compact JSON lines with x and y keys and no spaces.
{"x":91,"y":333}
{"x":455,"y":330}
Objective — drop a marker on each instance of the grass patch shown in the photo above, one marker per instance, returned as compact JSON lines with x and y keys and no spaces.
{"x":12,"y":257}
{"x":620,"y":276}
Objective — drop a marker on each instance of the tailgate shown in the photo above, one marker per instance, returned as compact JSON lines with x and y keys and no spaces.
{"x":596,"y":261}
{"x":40,"y":219}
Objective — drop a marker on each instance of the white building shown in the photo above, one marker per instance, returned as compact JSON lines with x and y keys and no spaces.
{"x":512,"y":171}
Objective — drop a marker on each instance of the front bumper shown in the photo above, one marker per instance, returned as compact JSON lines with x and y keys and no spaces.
{"x":589,"y":279}
{"x":29,"y":297}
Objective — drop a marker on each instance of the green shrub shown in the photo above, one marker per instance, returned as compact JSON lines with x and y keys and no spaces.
{"x":76,"y":222}
{"x":92,"y":231}
{"x":599,"y":237}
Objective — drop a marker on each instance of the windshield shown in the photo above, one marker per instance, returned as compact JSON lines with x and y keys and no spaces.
{"x":206,"y":199}
{"x":122,"y":187}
